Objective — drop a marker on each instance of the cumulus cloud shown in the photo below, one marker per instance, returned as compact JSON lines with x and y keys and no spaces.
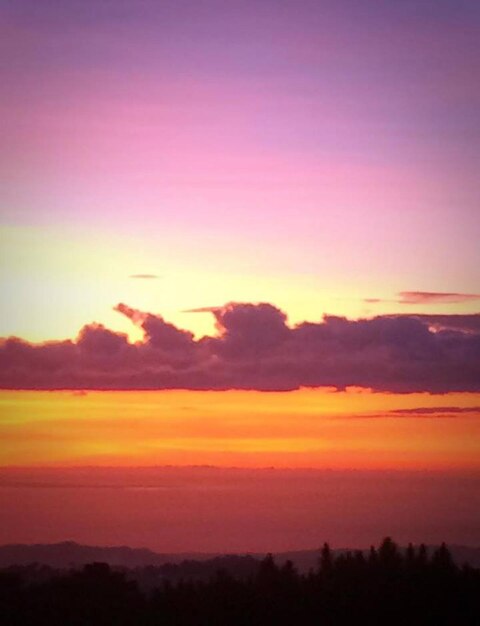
{"x":255,"y":348}
{"x":468,"y":323}
{"x":158,"y":333}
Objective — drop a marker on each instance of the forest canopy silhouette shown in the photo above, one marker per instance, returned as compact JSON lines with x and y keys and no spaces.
{"x":385,"y":585}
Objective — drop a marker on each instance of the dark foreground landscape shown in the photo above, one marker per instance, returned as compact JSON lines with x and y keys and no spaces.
{"x":386,"y":586}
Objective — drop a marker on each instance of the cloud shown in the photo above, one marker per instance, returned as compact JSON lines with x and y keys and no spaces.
{"x":97,"y":340}
{"x":249,"y":329}
{"x":158,"y":333}
{"x":255,"y":348}
{"x":203,"y":309}
{"x":449,"y":411}
{"x":144,"y":276}
{"x":437,"y":412}
{"x":427,"y":297}
{"x":468,"y":323}
{"x":432,"y":297}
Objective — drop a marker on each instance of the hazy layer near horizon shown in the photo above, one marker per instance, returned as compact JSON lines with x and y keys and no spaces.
{"x":195,"y":509}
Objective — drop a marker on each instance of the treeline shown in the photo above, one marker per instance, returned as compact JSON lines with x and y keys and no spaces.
{"x":149,"y":577}
{"x":384,"y":587}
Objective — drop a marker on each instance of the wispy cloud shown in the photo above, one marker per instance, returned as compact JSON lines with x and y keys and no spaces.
{"x":433,"y":297}
{"x":203,"y":309}
{"x":427,"y":297}
{"x":437,"y":410}
{"x":145,"y":276}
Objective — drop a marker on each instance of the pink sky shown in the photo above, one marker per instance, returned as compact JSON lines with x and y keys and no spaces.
{"x":309,"y":154}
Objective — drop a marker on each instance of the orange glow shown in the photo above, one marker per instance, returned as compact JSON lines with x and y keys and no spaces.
{"x":307,"y":428}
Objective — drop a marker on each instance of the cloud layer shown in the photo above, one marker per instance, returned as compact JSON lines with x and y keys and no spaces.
{"x":255,"y":348}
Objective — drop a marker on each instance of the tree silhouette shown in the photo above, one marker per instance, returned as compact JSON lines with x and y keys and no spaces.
{"x":384,"y":586}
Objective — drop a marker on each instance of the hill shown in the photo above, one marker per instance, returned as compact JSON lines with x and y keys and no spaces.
{"x":69,"y":554}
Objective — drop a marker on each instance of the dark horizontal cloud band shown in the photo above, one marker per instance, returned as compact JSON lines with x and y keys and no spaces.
{"x":256,"y":349}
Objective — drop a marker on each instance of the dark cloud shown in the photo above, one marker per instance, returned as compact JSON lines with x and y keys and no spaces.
{"x":249,"y":330}
{"x":255,"y":348}
{"x":468,"y":323}
{"x":158,"y":333}
{"x":97,"y":340}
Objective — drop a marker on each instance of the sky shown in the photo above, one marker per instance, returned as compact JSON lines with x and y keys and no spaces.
{"x":240,"y":234}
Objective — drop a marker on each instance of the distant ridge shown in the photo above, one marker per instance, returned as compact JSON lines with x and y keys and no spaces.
{"x":69,"y":554}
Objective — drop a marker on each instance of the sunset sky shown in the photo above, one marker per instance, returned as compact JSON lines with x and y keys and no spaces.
{"x":241,"y":235}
